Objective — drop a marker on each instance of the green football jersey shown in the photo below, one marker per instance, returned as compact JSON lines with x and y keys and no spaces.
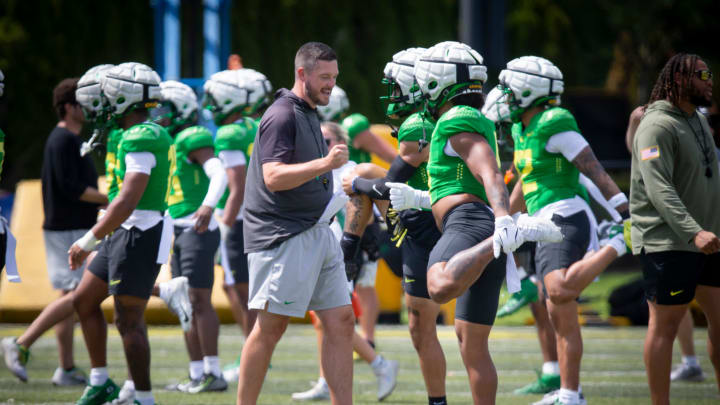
{"x":152,"y":138}
{"x":546,"y":177}
{"x":2,"y":150}
{"x":113,"y":139}
{"x":188,"y":183}
{"x":355,"y":124}
{"x":239,"y":135}
{"x":414,"y":128}
{"x":449,"y":174}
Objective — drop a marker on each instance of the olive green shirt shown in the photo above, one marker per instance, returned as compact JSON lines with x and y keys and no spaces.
{"x":671,"y":198}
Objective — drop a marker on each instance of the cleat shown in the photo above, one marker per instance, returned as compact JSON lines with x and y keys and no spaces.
{"x":544,"y":384}
{"x":538,"y":230}
{"x":683,"y":372}
{"x":386,"y":378}
{"x":552,"y":398}
{"x":318,"y":392}
{"x":16,"y":357}
{"x":528,"y":293}
{"x":232,"y":370}
{"x":99,"y":394}
{"x":178,"y":301}
{"x":126,"y":395}
{"x":68,"y":378}
{"x":208,"y":383}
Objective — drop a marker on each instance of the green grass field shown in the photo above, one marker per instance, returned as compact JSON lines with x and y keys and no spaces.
{"x":612,"y":371}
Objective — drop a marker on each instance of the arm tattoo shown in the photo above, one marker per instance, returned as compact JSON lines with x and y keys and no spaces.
{"x":588,"y":165}
{"x":356,"y":208}
{"x":497,"y":194}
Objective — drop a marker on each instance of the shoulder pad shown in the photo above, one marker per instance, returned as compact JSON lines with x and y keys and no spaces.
{"x":193,"y":138}
{"x":415,"y":127}
{"x":145,"y":137}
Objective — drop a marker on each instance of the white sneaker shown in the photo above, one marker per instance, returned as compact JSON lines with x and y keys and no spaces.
{"x":386,"y":377}
{"x":126,"y":395}
{"x":538,"y":230}
{"x":72,"y":377}
{"x":318,"y":392}
{"x":178,"y":301}
{"x":684,"y":372}
{"x":14,"y":359}
{"x":549,"y":398}
{"x":231,"y":374}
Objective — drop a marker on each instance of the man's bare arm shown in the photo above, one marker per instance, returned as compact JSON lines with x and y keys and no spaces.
{"x":588,"y":165}
{"x":517,"y":199}
{"x":280,"y":176}
{"x":481,"y":160}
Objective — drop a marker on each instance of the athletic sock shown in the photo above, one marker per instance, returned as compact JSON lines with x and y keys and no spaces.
{"x":98,"y":375}
{"x":377,"y":362}
{"x":129,"y":385}
{"x":322,"y":381}
{"x":212,"y":365}
{"x":567,"y":396}
{"x":144,"y":397}
{"x":196,"y":369}
{"x":350,"y":245}
{"x":690,"y":361}
{"x":437,"y":400}
{"x":551,"y":367}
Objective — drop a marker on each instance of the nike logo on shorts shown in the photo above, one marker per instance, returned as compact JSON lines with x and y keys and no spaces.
{"x":409,"y":280}
{"x":115,"y":282}
{"x":288,"y":302}
{"x":674,"y":293}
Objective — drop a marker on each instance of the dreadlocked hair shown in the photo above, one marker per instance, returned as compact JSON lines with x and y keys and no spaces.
{"x":666,"y":87}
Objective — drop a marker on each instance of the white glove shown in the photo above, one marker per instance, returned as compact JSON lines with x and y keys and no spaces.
{"x":507,"y":236}
{"x":403,"y":197}
{"x":538,"y":229}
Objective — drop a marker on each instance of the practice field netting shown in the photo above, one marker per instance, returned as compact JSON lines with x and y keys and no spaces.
{"x":612,"y":368}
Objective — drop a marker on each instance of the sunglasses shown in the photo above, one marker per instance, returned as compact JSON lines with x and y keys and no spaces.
{"x":704,"y":75}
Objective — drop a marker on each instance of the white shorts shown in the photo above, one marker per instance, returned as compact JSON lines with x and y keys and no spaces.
{"x":57,"y":244}
{"x":306,"y":272}
{"x":368,"y":272}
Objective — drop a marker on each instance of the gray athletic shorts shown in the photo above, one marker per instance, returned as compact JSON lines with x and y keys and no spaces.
{"x":306,"y":272}
{"x":57,"y":244}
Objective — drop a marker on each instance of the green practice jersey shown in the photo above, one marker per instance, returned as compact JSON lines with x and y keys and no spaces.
{"x":113,"y":139}
{"x":546,"y":177}
{"x":188,"y":183}
{"x":414,"y":128}
{"x":152,"y":138}
{"x":449,"y":174}
{"x":355,"y":124}
{"x":239,"y":136}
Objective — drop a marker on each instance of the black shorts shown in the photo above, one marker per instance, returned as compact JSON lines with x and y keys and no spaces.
{"x":422,"y":235}
{"x":194,"y":256}
{"x":127,"y":261}
{"x":234,"y":252}
{"x":670,"y":277}
{"x":576,"y":239}
{"x":463,"y":227}
{"x":3,"y":248}
{"x":525,"y":258}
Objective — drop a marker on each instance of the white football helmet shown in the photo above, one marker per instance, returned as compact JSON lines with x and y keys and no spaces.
{"x":399,"y":74}
{"x":336,"y":107}
{"x":225,"y":93}
{"x":89,"y":92}
{"x":2,"y":85}
{"x":130,"y":85}
{"x":530,"y":81}
{"x":259,"y":91}
{"x":449,"y":69}
{"x":181,"y":96}
{"x":496,"y":108}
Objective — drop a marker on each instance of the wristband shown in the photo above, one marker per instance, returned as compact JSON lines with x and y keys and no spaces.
{"x":87,"y":242}
{"x":618,"y":200}
{"x":352,"y":184}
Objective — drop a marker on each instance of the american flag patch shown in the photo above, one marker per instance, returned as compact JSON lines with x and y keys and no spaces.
{"x":650,"y":153}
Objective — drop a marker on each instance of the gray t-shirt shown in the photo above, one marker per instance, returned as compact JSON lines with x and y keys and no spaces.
{"x":289,"y":133}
